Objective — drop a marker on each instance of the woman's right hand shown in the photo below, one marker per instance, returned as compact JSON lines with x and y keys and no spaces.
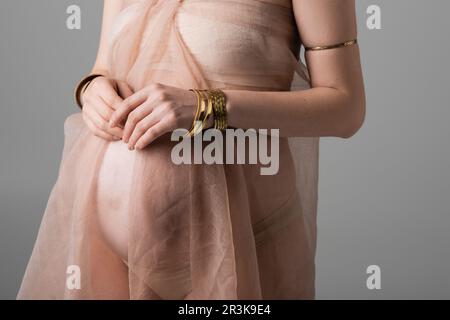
{"x":100,"y":100}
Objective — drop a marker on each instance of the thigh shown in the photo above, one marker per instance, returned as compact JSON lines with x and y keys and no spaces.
{"x":285,"y":254}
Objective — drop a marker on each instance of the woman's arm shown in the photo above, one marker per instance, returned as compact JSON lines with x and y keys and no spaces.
{"x":335,"y":105}
{"x":101,"y":97}
{"x":111,"y":8}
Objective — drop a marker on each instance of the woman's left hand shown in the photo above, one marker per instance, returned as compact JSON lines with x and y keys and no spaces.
{"x":153,"y":111}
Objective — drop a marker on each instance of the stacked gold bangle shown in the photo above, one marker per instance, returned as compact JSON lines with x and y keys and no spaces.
{"x":82,"y":86}
{"x":209,"y":103}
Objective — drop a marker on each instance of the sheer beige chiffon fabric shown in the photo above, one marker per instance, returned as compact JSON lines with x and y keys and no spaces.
{"x":194,"y":231}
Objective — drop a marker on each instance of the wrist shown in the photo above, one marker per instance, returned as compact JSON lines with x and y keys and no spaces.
{"x":82,"y":86}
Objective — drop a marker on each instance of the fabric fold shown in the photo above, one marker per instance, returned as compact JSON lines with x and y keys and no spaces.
{"x":192,"y":231}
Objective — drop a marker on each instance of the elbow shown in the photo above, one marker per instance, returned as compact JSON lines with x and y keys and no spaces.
{"x":354,"y":117}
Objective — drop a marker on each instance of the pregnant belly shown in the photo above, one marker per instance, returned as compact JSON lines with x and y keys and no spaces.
{"x":113,"y":190}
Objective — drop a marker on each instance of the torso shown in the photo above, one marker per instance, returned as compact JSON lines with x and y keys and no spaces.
{"x":258,"y":50}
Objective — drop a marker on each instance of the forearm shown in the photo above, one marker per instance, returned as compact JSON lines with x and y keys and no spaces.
{"x":315,"y":112}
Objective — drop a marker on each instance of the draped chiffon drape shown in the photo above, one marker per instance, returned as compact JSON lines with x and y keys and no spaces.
{"x":195,"y":231}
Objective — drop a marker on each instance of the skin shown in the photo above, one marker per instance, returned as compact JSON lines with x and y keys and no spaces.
{"x":333,"y":107}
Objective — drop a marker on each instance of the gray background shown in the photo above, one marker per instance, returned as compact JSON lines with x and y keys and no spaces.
{"x":384,"y":194}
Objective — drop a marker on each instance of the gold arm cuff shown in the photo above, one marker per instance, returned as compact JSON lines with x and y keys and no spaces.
{"x":334,"y":46}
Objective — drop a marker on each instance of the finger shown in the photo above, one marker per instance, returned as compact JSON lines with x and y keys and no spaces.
{"x":142,"y":127}
{"x":124,"y":89}
{"x":110,"y":96}
{"x":97,"y":132}
{"x":102,"y":124}
{"x":135,"y":117}
{"x":105,"y":111}
{"x":97,"y":105}
{"x":102,"y":109}
{"x":127,"y":106}
{"x":152,"y":134}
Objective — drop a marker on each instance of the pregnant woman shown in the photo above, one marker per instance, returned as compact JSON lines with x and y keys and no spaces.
{"x":124,"y":221}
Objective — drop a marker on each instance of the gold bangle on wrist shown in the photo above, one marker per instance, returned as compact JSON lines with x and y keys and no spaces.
{"x":209,"y":107}
{"x":200,"y":115}
{"x":82,"y":86}
{"x":218,"y":99}
{"x":209,"y":103}
{"x":197,"y":112}
{"x":334,"y":46}
{"x":220,"y":115}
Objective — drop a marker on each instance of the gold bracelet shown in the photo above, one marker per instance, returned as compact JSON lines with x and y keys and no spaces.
{"x":223,"y":124}
{"x":82,"y":86}
{"x":334,"y":46}
{"x":216,"y":108}
{"x":201,"y":115}
{"x":220,"y":115}
{"x":209,"y":103}
{"x":193,"y":128}
{"x":210,"y":107}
